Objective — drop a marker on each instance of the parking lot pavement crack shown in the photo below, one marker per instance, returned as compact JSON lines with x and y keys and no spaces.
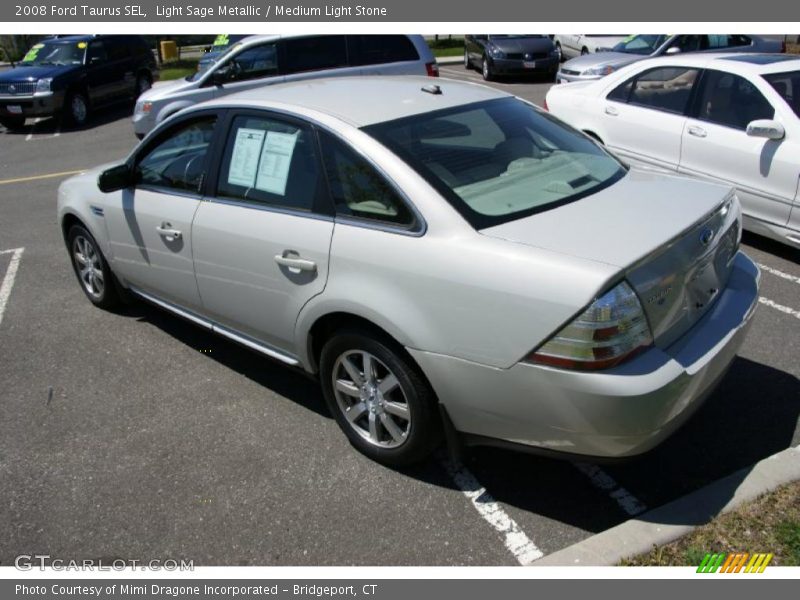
{"x":515,"y":539}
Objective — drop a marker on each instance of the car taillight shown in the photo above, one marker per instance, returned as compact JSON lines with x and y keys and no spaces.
{"x":432,"y":68}
{"x":612,"y":329}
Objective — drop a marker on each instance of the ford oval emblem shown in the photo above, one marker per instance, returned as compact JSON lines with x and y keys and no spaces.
{"x":12,"y":88}
{"x":706,"y":235}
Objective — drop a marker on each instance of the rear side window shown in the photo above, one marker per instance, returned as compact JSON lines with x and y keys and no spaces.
{"x":177,"y":161}
{"x":730,"y":100}
{"x":270,"y":161}
{"x":380,"y":49}
{"x":358,"y":190}
{"x":666,"y":89}
{"x":788,"y":87}
{"x":314,"y":53}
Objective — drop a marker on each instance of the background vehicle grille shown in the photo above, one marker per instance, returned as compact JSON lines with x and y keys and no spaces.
{"x":23,"y":88}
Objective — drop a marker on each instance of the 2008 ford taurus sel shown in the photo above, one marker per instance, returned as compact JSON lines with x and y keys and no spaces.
{"x":446,"y":258}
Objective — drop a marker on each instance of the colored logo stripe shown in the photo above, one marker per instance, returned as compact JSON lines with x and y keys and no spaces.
{"x":733,"y":563}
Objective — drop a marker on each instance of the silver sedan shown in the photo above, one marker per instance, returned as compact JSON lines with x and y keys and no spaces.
{"x":445,"y":258}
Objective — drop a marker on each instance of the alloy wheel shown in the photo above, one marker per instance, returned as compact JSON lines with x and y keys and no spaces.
{"x":89,"y":265}
{"x":79,"y":109}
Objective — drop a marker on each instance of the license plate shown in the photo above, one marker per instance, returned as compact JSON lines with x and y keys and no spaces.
{"x":14,"y":109}
{"x":562,"y":81}
{"x":529,"y":64}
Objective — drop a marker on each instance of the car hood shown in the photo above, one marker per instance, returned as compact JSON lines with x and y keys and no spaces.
{"x":33,"y":73}
{"x":621,"y":224}
{"x":522,"y":45}
{"x":601,"y":59}
{"x":166,"y":89}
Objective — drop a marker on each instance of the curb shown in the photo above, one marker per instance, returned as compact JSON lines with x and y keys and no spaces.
{"x":671,"y":521}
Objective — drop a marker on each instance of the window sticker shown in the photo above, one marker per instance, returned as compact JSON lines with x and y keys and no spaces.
{"x":221,"y":40}
{"x":276,"y":157}
{"x":246,"y":152}
{"x":82,"y":45}
{"x":32,"y":53}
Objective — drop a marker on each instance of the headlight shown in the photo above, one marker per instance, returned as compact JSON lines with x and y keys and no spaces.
{"x":43,"y":85}
{"x":601,"y":70}
{"x":496,"y":52}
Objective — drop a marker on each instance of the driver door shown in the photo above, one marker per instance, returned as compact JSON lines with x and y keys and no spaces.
{"x":150,"y":224}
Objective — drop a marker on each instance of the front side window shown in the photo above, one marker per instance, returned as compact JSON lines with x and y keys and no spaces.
{"x":732,"y":101}
{"x":358,"y":190}
{"x":271,"y":162}
{"x":252,"y":63}
{"x":665,"y":88}
{"x":177,"y":161}
{"x":536,"y":164}
{"x":788,"y":87}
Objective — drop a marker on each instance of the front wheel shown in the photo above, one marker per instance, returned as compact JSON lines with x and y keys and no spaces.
{"x":486,"y":70}
{"x":379,"y":400}
{"x":77,"y":109}
{"x":91,"y":268}
{"x":467,"y":64}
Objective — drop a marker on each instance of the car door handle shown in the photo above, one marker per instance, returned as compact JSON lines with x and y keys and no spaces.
{"x":697,"y":131}
{"x":165,"y":230}
{"x":610,"y":110}
{"x":292,"y":261}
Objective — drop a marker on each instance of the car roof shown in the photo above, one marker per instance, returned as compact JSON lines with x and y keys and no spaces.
{"x":365,"y":100}
{"x":744,"y":63}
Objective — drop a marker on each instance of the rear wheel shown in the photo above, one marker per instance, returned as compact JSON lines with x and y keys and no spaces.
{"x":467,"y":65}
{"x":13,"y":123}
{"x":486,"y":69}
{"x":559,"y":52}
{"x":142,"y":84}
{"x":380,"y":401}
{"x":584,"y":51}
{"x":91,"y":268}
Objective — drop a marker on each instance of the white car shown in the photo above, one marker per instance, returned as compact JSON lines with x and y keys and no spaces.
{"x":572,"y":45}
{"x":442,"y":257}
{"x":732,"y":119}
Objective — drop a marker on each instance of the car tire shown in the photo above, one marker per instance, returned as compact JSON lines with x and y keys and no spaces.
{"x":467,"y":64}
{"x":486,"y":70}
{"x":584,"y":51}
{"x":143,"y":83}
{"x":90,"y":266}
{"x":390,"y":414}
{"x":76,"y":109}
{"x":13,"y":123}
{"x":559,"y":52}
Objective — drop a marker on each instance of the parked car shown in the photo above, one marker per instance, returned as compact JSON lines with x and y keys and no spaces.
{"x":727,"y":118}
{"x":222,"y":43}
{"x":570,"y":46}
{"x":71,"y":76}
{"x":638,"y":47}
{"x":498,"y":55}
{"x":262,"y":60}
{"x":441,"y":257}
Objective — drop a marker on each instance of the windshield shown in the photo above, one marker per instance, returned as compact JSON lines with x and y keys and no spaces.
{"x":640,"y":44}
{"x":55,"y":53}
{"x":223,"y":52}
{"x":788,"y":87}
{"x":500,"y":160}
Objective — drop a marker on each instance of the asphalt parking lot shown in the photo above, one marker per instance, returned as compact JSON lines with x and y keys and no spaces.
{"x":136,"y":435}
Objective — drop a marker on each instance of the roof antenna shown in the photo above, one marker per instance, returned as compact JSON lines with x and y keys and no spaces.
{"x":432,"y":88}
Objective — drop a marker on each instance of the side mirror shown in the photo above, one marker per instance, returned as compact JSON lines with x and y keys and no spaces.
{"x":115,"y":178}
{"x":673,"y":50}
{"x":766,"y":128}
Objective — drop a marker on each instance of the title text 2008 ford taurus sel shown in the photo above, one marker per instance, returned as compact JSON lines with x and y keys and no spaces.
{"x":442,"y":256}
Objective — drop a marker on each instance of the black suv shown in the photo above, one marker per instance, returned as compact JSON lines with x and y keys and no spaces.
{"x":70,"y":76}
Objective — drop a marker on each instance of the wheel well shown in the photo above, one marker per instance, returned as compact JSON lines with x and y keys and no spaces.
{"x":326,"y":326}
{"x":68,"y":222}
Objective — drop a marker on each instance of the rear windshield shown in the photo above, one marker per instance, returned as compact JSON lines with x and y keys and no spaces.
{"x":644,"y":44}
{"x":500,"y":160}
{"x":788,"y":86}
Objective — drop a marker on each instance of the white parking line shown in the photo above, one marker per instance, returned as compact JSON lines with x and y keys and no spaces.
{"x":784,"y":309}
{"x":8,"y":280}
{"x":515,"y":540}
{"x":778,"y":273}
{"x":603,"y":481}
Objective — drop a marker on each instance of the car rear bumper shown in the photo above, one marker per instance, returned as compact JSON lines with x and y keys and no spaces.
{"x":616,"y":413}
{"x":37,"y":105}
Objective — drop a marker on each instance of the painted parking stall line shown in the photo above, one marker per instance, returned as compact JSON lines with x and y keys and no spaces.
{"x":603,"y":481}
{"x":515,"y":540}
{"x":9,"y":277}
{"x":779,"y":307}
{"x":777,"y":273}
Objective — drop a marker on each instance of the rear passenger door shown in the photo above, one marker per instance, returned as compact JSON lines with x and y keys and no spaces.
{"x":261,"y":241}
{"x":643,"y":118}
{"x":384,"y":55}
